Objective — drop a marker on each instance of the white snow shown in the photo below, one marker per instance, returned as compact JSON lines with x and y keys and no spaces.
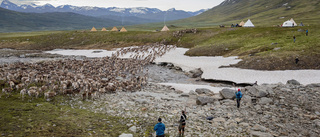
{"x":211,"y":70}
{"x":118,"y":9}
{"x":87,"y":53}
{"x":89,"y":8}
{"x":187,"y":87}
{"x":137,"y":10}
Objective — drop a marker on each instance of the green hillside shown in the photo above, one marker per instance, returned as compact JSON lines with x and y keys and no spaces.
{"x":261,"y":12}
{"x":11,"y":21}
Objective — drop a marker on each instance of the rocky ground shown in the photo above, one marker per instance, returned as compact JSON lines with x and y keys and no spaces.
{"x":267,"y":110}
{"x":289,"y":109}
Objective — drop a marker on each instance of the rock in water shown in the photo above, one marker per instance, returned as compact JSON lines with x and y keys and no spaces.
{"x":227,"y":93}
{"x":293,"y":82}
{"x":203,"y":100}
{"x":195,"y":73}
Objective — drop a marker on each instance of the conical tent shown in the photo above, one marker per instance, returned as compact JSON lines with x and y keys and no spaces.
{"x":93,"y":29}
{"x":165,"y":28}
{"x":114,"y":29}
{"x":123,"y":30}
{"x":287,"y":24}
{"x":294,"y":23}
{"x":301,"y":24}
{"x":241,"y":23}
{"x":104,"y":29}
{"x":248,"y":24}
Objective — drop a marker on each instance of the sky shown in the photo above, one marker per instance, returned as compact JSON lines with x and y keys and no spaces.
{"x":187,"y":5}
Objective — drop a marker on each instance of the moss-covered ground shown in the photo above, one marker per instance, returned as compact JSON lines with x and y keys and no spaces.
{"x":37,"y":117}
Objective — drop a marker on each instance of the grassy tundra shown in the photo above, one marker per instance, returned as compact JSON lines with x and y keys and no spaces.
{"x":265,"y":48}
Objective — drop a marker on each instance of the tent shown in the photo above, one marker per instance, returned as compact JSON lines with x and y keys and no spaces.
{"x":301,"y":24}
{"x":93,"y":29}
{"x":288,"y":24}
{"x":294,"y":23}
{"x":241,"y":23}
{"x":248,"y":24}
{"x":123,"y":30}
{"x":165,"y":28}
{"x":104,"y":29}
{"x":114,"y":29}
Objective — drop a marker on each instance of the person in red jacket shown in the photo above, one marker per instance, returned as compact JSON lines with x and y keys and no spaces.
{"x":238,"y":97}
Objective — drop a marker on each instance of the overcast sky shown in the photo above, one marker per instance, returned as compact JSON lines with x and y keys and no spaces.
{"x":187,"y":5}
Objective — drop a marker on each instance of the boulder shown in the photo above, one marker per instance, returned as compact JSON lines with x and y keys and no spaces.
{"x":133,"y":129}
{"x":204,"y":91}
{"x":313,"y":85}
{"x":246,"y":99}
{"x":193,"y":92}
{"x":195,"y":73}
{"x":264,"y":101}
{"x":227,"y":93}
{"x":251,"y":90}
{"x":126,"y":135}
{"x":203,"y":100}
{"x":259,"y":91}
{"x":293,"y":82}
{"x":263,"y":91}
{"x":184,"y":95}
{"x":260,"y":134}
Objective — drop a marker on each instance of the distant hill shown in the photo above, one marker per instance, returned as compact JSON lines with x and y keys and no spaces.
{"x":12,"y":21}
{"x":261,"y":12}
{"x":136,"y":15}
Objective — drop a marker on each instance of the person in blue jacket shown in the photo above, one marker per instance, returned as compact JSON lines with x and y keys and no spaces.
{"x":238,"y":97}
{"x":159,"y":128}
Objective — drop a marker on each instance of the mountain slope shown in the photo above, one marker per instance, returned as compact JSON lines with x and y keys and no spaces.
{"x":261,"y":12}
{"x":11,"y":21}
{"x":142,"y":14}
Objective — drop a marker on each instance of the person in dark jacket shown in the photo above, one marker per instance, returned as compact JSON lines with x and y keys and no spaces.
{"x":159,"y":128}
{"x":182,"y":124}
{"x":238,"y":97}
{"x":294,"y":39}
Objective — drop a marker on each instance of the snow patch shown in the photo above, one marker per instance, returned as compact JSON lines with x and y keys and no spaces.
{"x":118,"y":9}
{"x":137,"y":10}
{"x":187,"y":87}
{"x":210,"y":67}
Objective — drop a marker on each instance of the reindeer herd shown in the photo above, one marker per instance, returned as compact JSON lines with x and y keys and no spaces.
{"x":88,"y":78}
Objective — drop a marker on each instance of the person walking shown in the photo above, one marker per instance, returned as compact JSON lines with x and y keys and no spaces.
{"x":182,"y":124}
{"x":294,"y":39}
{"x":159,"y":128}
{"x":307,"y":31}
{"x":238,"y":97}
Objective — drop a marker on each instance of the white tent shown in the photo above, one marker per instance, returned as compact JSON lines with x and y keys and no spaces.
{"x":123,"y":30}
{"x":248,"y":24}
{"x":165,"y":28}
{"x":287,"y":24}
{"x":294,"y":23}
